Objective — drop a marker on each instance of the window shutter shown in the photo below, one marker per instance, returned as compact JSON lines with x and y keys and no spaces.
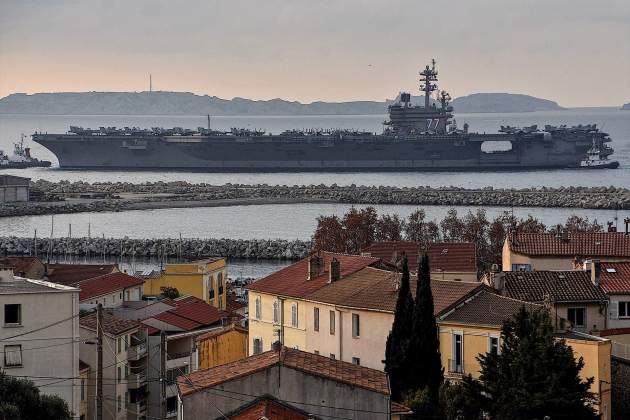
{"x":613,"y":310}
{"x":13,"y":355}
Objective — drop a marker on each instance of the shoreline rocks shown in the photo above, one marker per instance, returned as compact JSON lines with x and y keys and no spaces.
{"x":67,"y":197}
{"x":271,"y":249}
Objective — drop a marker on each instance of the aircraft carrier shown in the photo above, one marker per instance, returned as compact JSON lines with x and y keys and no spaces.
{"x":415,"y":138}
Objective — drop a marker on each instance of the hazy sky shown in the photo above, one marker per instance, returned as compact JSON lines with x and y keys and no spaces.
{"x":573,"y":51}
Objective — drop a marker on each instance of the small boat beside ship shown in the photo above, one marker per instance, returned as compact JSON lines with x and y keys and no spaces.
{"x":595,"y":159}
{"x":21,"y":158}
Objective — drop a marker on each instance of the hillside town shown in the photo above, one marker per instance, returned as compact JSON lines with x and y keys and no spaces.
{"x":317,"y":338}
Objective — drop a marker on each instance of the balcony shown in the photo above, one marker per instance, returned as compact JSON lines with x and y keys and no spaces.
{"x":136,"y":380}
{"x":173,"y":356}
{"x":137,"y":352}
{"x":455,"y":368}
{"x":139,"y":409}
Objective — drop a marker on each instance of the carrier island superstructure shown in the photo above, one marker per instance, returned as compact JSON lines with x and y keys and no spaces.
{"x":415,"y":138}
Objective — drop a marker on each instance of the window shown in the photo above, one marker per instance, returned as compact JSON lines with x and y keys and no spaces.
{"x":577,"y":317}
{"x":493,"y":345}
{"x":276,"y":312}
{"x":316,"y":319}
{"x":126,"y":371}
{"x":211,"y":294}
{"x":521,"y":267}
{"x":356,"y":361}
{"x":257,"y":345}
{"x":120,"y":296}
{"x":356,"y":327}
{"x":332,"y":356}
{"x":13,"y":314}
{"x":456,"y":364}
{"x":172,"y":374}
{"x":82,"y":389}
{"x":294,"y":315}
{"x":119,"y":374}
{"x":221,"y":302}
{"x":624,"y":309}
{"x":119,"y":403}
{"x":119,"y":344}
{"x":13,"y":355}
{"x":258,"y":308}
{"x":332,"y":322}
{"x":316,"y":351}
{"x":171,"y":405}
{"x":128,"y":293}
{"x":126,"y":341}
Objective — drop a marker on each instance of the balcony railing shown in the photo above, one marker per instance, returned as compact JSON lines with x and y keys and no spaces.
{"x":139,"y":407}
{"x":136,"y":380}
{"x":455,"y":366}
{"x":172,"y":356}
{"x":136,"y":352}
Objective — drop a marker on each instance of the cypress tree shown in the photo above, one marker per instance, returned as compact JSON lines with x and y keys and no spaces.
{"x":426,"y":368}
{"x":396,"y":348}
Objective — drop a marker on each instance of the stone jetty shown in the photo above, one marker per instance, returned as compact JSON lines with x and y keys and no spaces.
{"x":277,"y":249}
{"x":67,"y":197}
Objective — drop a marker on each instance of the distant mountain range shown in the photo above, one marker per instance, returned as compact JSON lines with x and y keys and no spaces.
{"x":185,"y":103}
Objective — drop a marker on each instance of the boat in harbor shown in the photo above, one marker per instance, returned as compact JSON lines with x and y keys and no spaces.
{"x":595,"y":159}
{"x":415,"y":138}
{"x":21,"y":158}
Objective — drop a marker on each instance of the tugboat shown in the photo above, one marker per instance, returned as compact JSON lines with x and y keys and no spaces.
{"x":595,"y":159}
{"x":21,"y":158}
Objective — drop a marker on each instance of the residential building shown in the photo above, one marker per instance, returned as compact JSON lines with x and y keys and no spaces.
{"x":221,"y":346}
{"x":110,"y":290}
{"x":277,"y":304}
{"x":204,"y":279}
{"x":615,"y":283}
{"x":473,"y":327}
{"x":561,"y":250}
{"x":84,"y":375}
{"x":14,"y":188}
{"x":267,"y":407}
{"x":27,"y":267}
{"x":572,"y":295}
{"x":317,"y":385}
{"x":125,"y":366}
{"x":39,"y":334}
{"x":349,"y":319}
{"x":70,"y":274}
{"x":448,"y":260}
{"x":181,"y":320}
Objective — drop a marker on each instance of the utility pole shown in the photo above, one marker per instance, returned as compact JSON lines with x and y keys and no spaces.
{"x":163,"y":375}
{"x":99,"y":362}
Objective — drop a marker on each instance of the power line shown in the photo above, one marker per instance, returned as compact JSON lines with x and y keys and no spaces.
{"x":41,"y":328}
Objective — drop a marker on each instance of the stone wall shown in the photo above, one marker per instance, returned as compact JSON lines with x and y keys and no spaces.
{"x":620,"y":388}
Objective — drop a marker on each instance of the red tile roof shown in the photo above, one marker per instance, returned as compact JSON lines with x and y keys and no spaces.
{"x":189,"y":313}
{"x":20,"y":265}
{"x":453,"y":257}
{"x":267,"y":407}
{"x":559,"y":286}
{"x":392,"y":251}
{"x":312,"y":364}
{"x":112,"y":324}
{"x":106,"y":284}
{"x":443,"y":256}
{"x":615,"y":278}
{"x":487,"y":308}
{"x":177,"y":321}
{"x":398,"y":408}
{"x":70,"y":274}
{"x":293,"y":280}
{"x":376,"y":289}
{"x":584,"y":244}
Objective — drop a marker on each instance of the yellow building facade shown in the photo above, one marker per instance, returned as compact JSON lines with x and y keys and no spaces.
{"x":204,"y":279}
{"x":223,"y":346}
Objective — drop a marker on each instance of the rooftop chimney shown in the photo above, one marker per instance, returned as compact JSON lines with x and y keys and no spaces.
{"x":565,"y":235}
{"x":626,"y":221}
{"x":596,"y":272}
{"x":611,"y":228}
{"x":334,"y":272}
{"x":315,"y":266}
{"x":276,"y":346}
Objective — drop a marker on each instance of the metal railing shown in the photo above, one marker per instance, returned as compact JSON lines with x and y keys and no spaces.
{"x":137,"y":351}
{"x":454,"y":367}
{"x":172,"y":356}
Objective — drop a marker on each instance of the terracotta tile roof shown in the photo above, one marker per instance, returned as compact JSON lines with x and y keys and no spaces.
{"x":313,"y":364}
{"x":392,"y":251}
{"x":293,"y":280}
{"x":376,"y":289}
{"x":585,"y":244}
{"x":221,"y":331}
{"x":486,"y":308}
{"x":559,"y":286}
{"x":453,"y":257}
{"x":106,"y":284}
{"x":70,"y":274}
{"x":112,"y":324}
{"x":444,"y":256}
{"x":177,"y":321}
{"x":189,"y":313}
{"x":615,"y":278}
{"x":150,"y":329}
{"x":19,"y":265}
{"x":398,"y":408}
{"x":232,"y":304}
{"x":267,"y":407}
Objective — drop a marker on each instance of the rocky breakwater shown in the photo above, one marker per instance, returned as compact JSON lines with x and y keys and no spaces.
{"x":81,"y":196}
{"x":186,"y":248}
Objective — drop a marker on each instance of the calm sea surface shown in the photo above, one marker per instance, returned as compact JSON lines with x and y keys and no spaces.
{"x":296,"y":221}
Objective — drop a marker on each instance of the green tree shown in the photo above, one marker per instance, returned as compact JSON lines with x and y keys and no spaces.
{"x":169,"y":292}
{"x":396,"y":347}
{"x":424,"y":349}
{"x":458,"y":402}
{"x":535,"y":375}
{"x":20,"y":399}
